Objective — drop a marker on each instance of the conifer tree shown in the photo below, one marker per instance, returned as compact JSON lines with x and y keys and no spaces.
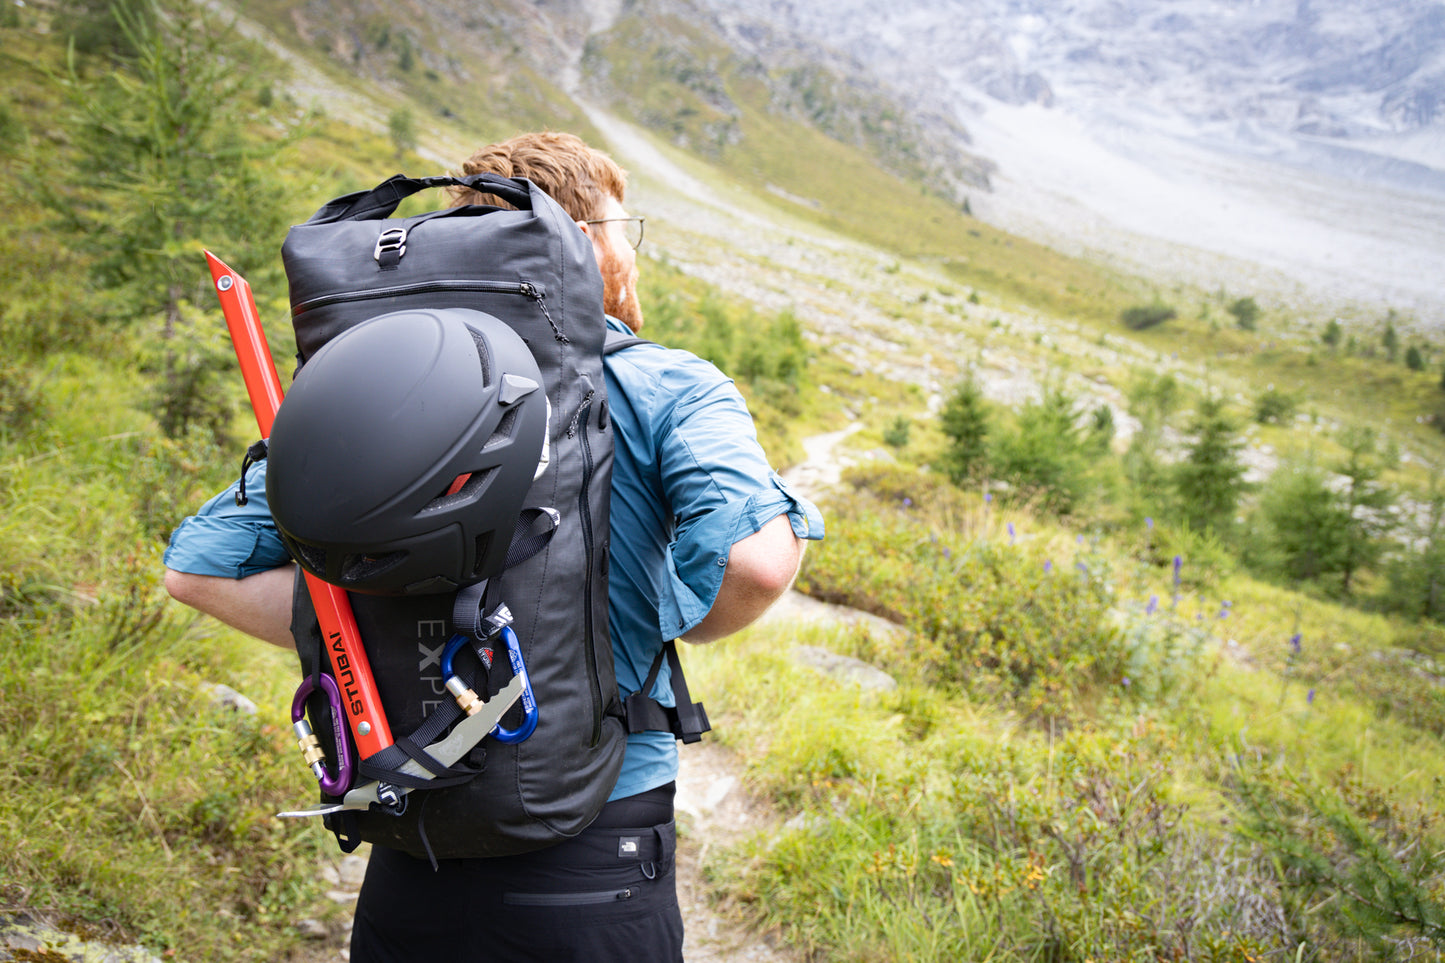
{"x":965,"y":422}
{"x":1152,"y":399}
{"x":1210,"y":479}
{"x":1047,"y":454}
{"x":1305,"y":523}
{"x":164,"y":159}
{"x":161,"y":161}
{"x":1366,"y":505}
{"x":1417,"y":575}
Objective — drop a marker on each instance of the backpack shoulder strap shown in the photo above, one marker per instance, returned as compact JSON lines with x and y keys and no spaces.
{"x":686,"y":721}
{"x":616,"y":341}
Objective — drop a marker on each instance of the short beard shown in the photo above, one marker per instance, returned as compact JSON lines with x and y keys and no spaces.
{"x":619,"y":292}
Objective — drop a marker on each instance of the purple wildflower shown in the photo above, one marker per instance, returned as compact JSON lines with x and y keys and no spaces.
{"x":1153,"y":605}
{"x":1178,"y":563}
{"x":1126,"y":682}
{"x":1294,"y":645}
{"x":1310,"y":697}
{"x":1048,"y":565}
{"x":987,"y":497}
{"x":1149,"y":523}
{"x":1011,"y":532}
{"x":907,"y":503}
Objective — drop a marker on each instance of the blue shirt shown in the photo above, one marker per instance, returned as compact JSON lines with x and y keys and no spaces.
{"x":688,"y":480}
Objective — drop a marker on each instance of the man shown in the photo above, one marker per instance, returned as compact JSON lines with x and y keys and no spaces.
{"x":690,"y":488}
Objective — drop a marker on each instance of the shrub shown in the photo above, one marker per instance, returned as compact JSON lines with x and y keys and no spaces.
{"x":1274,"y":407}
{"x":1246,"y":313}
{"x":1143,"y":316}
{"x":989,"y":615}
{"x":1333,"y":333}
{"x":896,"y":434}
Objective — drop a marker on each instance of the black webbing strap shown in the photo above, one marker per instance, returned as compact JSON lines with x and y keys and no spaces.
{"x":686,"y":721}
{"x":385,"y":766}
{"x":535,"y":528}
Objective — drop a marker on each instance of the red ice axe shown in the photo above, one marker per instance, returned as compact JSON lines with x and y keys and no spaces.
{"x":349,"y":663}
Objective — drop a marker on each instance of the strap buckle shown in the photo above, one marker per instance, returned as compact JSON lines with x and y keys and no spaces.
{"x":390,"y":247}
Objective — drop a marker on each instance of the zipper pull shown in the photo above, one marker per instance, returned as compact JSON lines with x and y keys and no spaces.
{"x":581,"y":410}
{"x":536,"y":294}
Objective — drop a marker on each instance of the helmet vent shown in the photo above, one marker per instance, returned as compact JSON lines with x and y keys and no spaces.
{"x":475,"y":482}
{"x":311,"y":557}
{"x":482,"y":355}
{"x":359,"y":568}
{"x":504,"y":429}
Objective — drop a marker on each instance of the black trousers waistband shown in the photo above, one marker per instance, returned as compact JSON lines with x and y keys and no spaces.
{"x":651,"y":808}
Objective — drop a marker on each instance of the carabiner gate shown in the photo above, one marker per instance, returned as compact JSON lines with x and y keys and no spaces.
{"x":472,"y":703}
{"x":332,"y":784}
{"x":529,"y":701}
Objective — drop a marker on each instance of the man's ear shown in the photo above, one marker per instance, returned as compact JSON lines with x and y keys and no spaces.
{"x":586,"y":228}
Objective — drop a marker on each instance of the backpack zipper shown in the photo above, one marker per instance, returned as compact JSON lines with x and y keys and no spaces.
{"x":527,"y":289}
{"x":588,"y":547}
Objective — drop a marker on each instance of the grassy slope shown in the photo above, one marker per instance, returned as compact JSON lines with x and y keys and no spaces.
{"x":87,"y":487}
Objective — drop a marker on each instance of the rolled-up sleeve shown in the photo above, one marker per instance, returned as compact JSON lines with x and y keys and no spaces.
{"x":717,"y":479}
{"x":226,"y":539}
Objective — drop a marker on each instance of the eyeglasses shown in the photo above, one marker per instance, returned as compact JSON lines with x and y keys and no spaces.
{"x":633,"y":230}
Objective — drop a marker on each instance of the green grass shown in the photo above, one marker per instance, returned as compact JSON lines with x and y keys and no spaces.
{"x":952,"y":822}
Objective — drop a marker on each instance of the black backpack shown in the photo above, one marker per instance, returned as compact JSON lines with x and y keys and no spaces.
{"x":533,"y":269}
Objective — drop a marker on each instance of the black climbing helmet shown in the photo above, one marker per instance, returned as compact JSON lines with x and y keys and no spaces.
{"x":400,"y":458}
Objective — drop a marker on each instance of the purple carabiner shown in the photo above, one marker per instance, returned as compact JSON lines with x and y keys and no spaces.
{"x":332,"y":785}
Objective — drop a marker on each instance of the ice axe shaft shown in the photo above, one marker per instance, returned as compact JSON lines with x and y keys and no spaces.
{"x":350,"y":665}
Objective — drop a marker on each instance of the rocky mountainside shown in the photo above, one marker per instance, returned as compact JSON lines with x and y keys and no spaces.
{"x":1202,"y":139}
{"x":1336,"y":69}
{"x":1170,"y":138}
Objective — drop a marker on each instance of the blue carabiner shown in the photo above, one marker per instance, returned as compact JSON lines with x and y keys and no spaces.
{"x":333,"y":784}
{"x":529,"y":701}
{"x":519,"y":668}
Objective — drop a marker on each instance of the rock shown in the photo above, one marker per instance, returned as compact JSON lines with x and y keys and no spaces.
{"x":312,"y":929}
{"x":40,"y":941}
{"x":352,"y":871}
{"x":845,"y":668}
{"x":226,"y":697}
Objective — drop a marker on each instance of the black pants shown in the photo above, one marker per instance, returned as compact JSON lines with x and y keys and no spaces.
{"x":610,"y":894}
